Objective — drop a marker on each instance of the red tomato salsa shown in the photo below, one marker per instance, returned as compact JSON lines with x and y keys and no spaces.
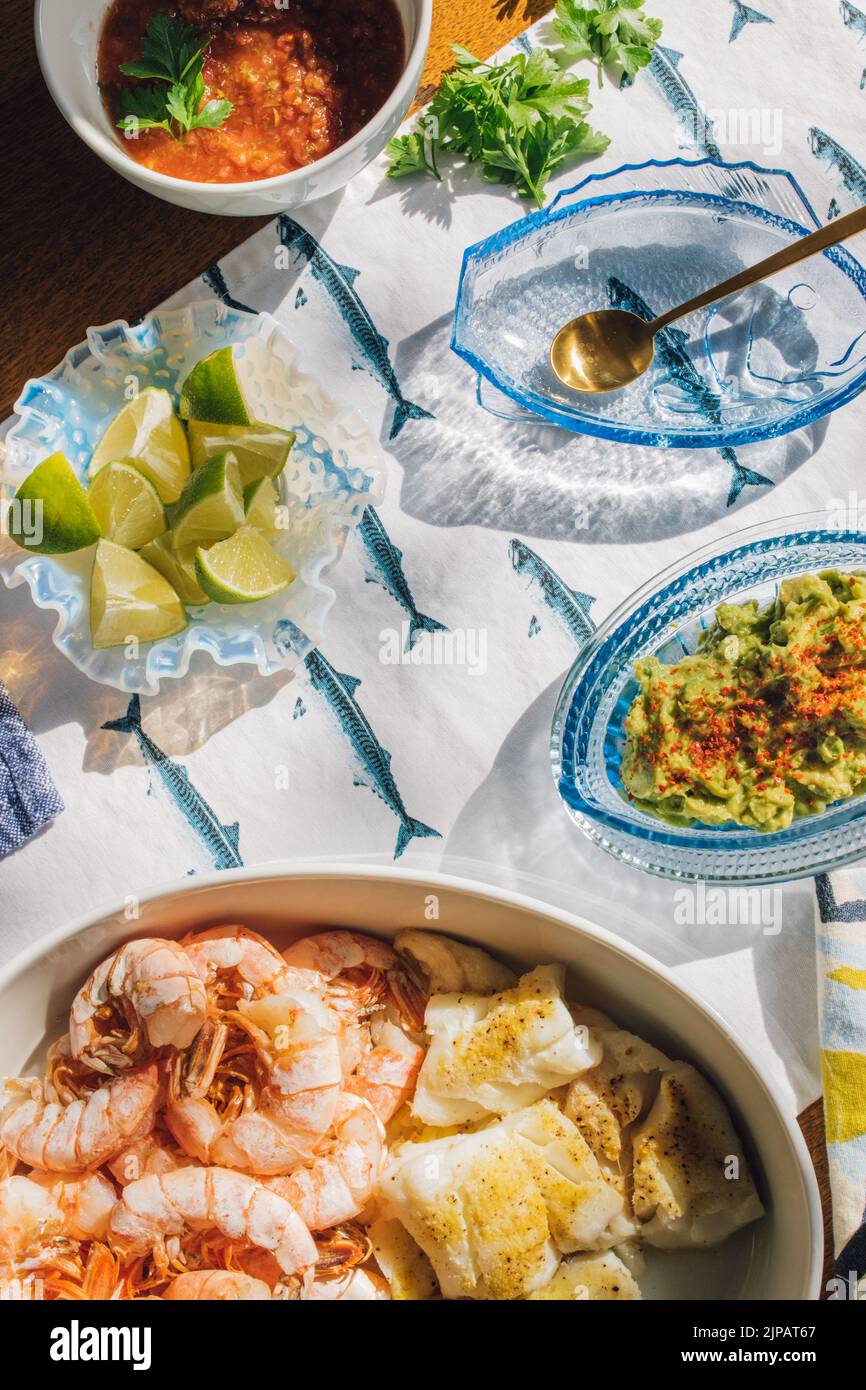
{"x":304,"y":76}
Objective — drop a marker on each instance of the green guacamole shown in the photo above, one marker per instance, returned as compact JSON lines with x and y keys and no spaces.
{"x":766,"y":720}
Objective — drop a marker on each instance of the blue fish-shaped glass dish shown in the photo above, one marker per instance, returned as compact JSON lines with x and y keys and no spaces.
{"x":664,"y":619}
{"x":645,"y":237}
{"x":334,"y":471}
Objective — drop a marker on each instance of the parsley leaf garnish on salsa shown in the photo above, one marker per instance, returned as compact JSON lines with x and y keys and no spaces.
{"x":172,"y":55}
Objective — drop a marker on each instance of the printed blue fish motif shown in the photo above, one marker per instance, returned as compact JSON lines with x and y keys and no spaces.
{"x":852,"y":174}
{"x":671,"y":352}
{"x":743,"y":15}
{"x":664,"y":67}
{"x":534,"y":627}
{"x":387,"y":571}
{"x":338,"y":281}
{"x":220,"y":841}
{"x":853,"y":18}
{"x":216,"y":281}
{"x":833,"y":210}
{"x":374,"y":761}
{"x":300,"y":299}
{"x":570,"y":606}
{"x":300,"y":709}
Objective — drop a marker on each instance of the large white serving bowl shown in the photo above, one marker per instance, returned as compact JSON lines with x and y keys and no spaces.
{"x":778,"y":1257}
{"x":67,"y":39}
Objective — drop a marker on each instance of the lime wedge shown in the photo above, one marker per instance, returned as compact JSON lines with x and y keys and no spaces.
{"x":261,"y":450}
{"x":126,"y":505}
{"x":260,"y":504}
{"x":212,"y":391}
{"x":148,"y":433}
{"x":242,"y":569}
{"x":130,"y":599}
{"x":50,"y":513}
{"x":211,"y":506}
{"x":178,"y":567}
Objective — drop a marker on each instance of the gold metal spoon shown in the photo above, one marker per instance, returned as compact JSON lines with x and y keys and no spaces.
{"x":608,"y":348}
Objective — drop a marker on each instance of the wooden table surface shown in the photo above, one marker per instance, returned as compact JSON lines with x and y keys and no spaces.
{"x":85,"y":247}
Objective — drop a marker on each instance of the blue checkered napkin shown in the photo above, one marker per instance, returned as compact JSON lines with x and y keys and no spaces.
{"x":28,"y":796}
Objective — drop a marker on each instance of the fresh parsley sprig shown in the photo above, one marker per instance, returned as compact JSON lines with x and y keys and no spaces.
{"x":519,"y":119}
{"x":172,"y":57}
{"x":615,"y":32}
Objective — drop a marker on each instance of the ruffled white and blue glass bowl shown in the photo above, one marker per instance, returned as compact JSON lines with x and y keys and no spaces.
{"x":334,"y":470}
{"x":772,"y":359}
{"x":664,"y":619}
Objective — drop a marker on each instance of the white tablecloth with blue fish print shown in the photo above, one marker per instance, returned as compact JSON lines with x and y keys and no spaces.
{"x":439,"y":753}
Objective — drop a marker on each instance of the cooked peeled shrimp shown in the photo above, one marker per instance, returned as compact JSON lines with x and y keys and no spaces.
{"x":217,"y":1284}
{"x":141,"y":1157}
{"x":147,"y":994}
{"x":385,"y":1077}
{"x":339,"y":1181}
{"x":84,"y":1200}
{"x":362,"y":970}
{"x":332,"y":953}
{"x":39,"y":1214}
{"x":234,"y":950}
{"x":359,"y":1285}
{"x":29,"y":1218}
{"x":298,"y":1037}
{"x":269,"y":1129}
{"x":211,"y":1198}
{"x":282,"y":1018}
{"x":43,"y":1222}
{"x":83,"y":1134}
{"x":270,"y":1139}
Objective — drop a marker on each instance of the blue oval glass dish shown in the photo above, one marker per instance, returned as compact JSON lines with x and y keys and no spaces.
{"x":664,"y":619}
{"x":334,"y":470}
{"x":774,"y":358}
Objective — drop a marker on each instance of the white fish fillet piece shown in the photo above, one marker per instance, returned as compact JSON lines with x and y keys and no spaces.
{"x":496,"y":1054}
{"x":692,"y":1184}
{"x":494,"y":1211}
{"x":603,"y":1102}
{"x":592,"y":1279}
{"x":402,"y":1261}
{"x":447,"y":966}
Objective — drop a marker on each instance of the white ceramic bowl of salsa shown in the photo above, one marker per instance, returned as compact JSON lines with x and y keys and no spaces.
{"x":67,"y":41}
